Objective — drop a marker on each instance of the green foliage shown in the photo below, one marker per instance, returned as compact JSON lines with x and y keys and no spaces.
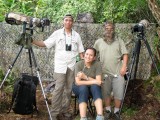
{"x":121,"y":11}
{"x":1,"y":75}
{"x":129,"y":111}
{"x":126,"y":10}
{"x":22,"y":6}
{"x":156,"y":43}
{"x":57,"y":9}
{"x":154,"y":81}
{"x":9,"y":81}
{"x":157,"y":88}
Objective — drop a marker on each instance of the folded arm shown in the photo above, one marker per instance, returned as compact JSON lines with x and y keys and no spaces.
{"x":82,"y":79}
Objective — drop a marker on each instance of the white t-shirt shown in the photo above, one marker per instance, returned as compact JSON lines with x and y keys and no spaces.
{"x":63,"y":58}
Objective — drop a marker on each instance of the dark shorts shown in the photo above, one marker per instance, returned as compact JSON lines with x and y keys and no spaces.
{"x":84,"y":91}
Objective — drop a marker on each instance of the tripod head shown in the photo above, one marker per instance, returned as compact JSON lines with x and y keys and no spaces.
{"x":25,"y":38}
{"x":139,"y":28}
{"x":140,"y":36}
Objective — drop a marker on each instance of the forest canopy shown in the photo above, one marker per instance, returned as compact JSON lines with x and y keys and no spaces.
{"x":119,"y":11}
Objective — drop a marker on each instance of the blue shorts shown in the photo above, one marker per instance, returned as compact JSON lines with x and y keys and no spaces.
{"x":84,"y":91}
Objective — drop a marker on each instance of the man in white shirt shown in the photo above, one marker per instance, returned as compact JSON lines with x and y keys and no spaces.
{"x":68,"y":45}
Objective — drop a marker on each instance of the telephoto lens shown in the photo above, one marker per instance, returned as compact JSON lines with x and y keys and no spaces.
{"x":18,"y":19}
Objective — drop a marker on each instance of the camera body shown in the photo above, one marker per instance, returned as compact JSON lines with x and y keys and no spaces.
{"x":138,"y":28}
{"x":141,"y":26}
{"x":40,"y":22}
{"x":68,"y":47}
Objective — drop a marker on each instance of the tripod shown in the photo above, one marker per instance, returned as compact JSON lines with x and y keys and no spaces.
{"x":25,"y":40}
{"x":135,"y":60}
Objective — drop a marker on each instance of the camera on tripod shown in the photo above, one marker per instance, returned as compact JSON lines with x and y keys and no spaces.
{"x":140,"y":27}
{"x":25,"y":38}
{"x":18,"y":19}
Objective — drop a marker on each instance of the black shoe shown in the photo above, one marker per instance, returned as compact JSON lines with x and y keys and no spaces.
{"x":67,"y":116}
{"x":117,"y":116}
{"x":59,"y":117}
{"x":107,"y":114}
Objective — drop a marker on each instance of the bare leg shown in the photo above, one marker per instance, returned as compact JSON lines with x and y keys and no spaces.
{"x":108,"y":111}
{"x":117,"y":103}
{"x":108,"y":101}
{"x":83,"y":109}
{"x":99,"y":106}
{"x":116,"y":109}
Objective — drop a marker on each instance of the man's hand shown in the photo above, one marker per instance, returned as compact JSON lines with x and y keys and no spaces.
{"x":123,"y":70}
{"x":124,"y":66}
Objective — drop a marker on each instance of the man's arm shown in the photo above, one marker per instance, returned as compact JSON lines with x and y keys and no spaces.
{"x":124,"y":66}
{"x":38,"y":43}
{"x":81,"y":55}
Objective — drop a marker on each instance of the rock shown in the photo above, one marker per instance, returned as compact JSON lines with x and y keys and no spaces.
{"x":85,"y":18}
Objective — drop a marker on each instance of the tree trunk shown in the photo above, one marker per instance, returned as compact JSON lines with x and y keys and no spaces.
{"x":155,"y":9}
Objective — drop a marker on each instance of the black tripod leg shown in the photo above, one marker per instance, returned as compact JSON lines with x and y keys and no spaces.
{"x":133,"y":59}
{"x":38,"y":75}
{"x":151,"y":55}
{"x":10,"y":67}
{"x":138,"y":47}
{"x":30,"y":60}
{"x":135,"y":56}
{"x":128,"y":79}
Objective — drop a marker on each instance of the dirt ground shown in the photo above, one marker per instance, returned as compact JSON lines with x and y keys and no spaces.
{"x":139,"y":95}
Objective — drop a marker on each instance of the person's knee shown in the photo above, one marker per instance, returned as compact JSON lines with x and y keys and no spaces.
{"x":98,"y":100}
{"x":118,"y":98}
{"x":83,"y":90}
{"x":95,"y":89}
{"x":83,"y":94}
{"x":118,"y":94}
{"x":82,"y":99}
{"x":96,"y":92}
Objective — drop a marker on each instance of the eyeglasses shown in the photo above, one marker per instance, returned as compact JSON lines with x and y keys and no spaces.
{"x":109,"y":29}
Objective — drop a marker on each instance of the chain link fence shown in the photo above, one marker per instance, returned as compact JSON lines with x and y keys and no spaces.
{"x":45,"y":57}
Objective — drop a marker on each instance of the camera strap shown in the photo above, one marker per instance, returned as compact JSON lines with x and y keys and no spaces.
{"x":68,"y":39}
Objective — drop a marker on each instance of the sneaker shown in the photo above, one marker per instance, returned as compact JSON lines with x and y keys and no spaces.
{"x":59,"y":117}
{"x":100,"y":117}
{"x":54,"y":118}
{"x":65,"y":116}
{"x":107,"y":114}
{"x":117,"y":116}
{"x":84,"y":118}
